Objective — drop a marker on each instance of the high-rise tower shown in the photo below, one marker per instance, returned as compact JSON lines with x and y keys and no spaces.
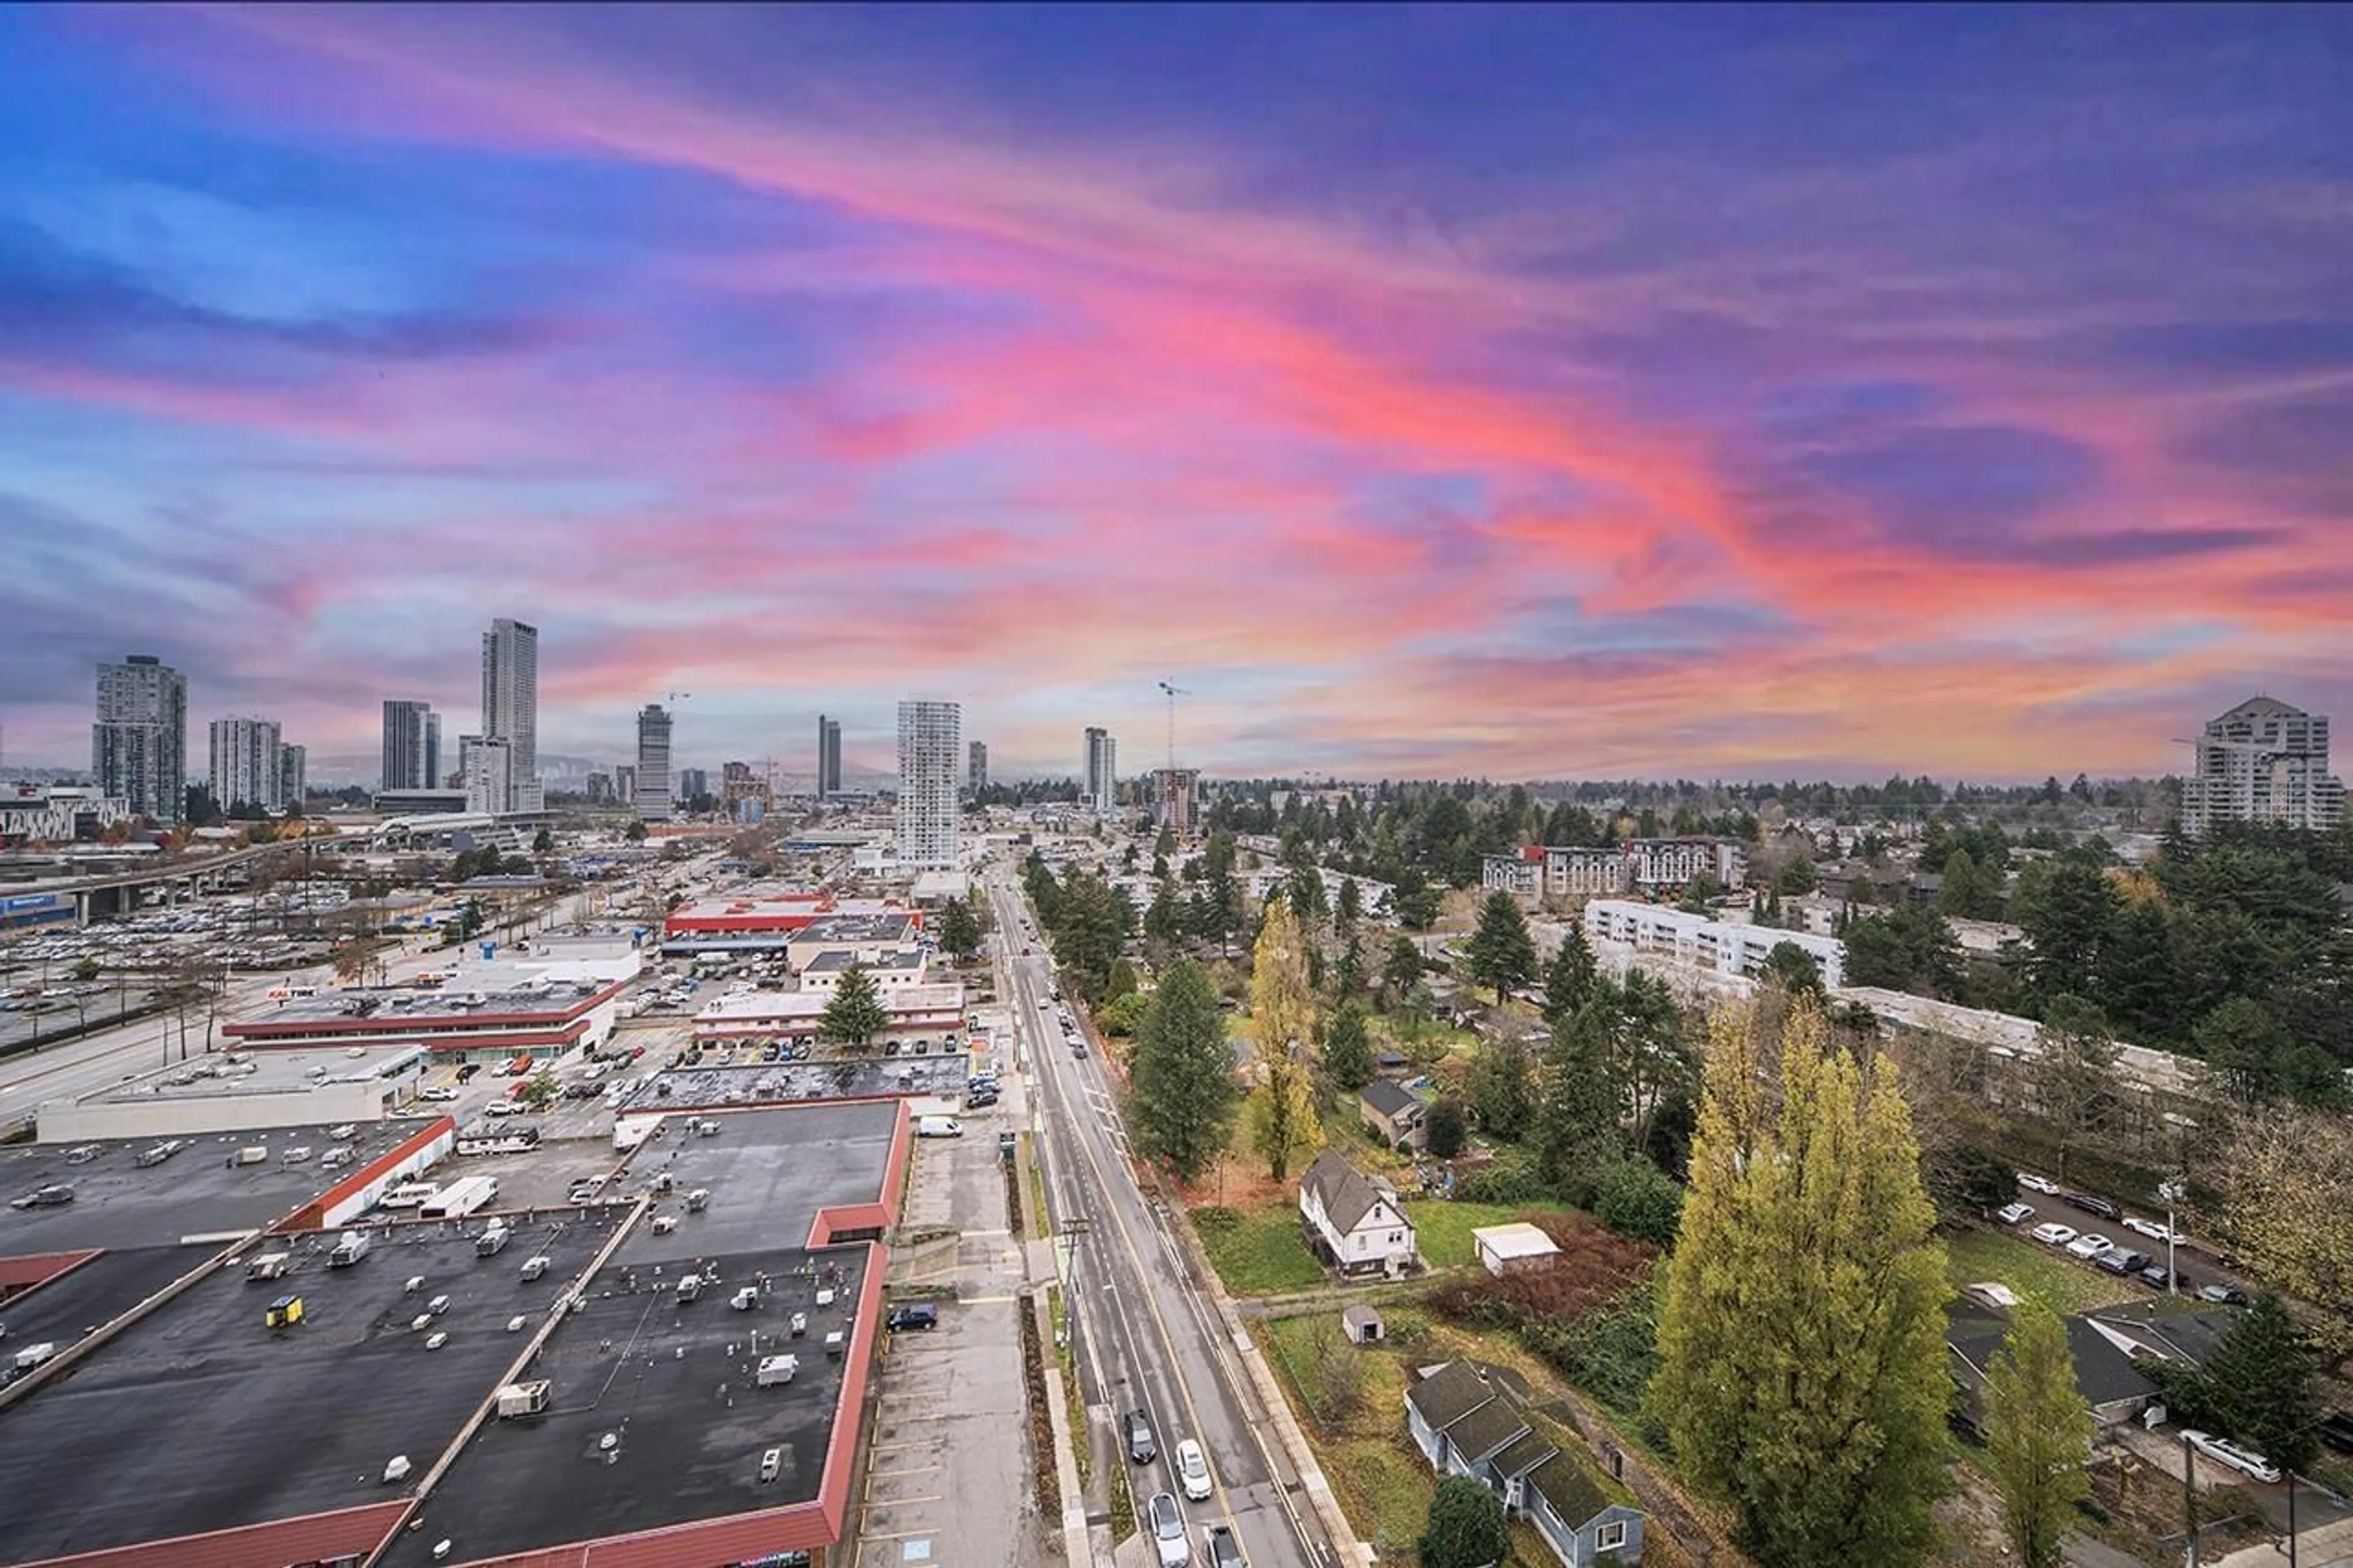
{"x":930,"y":747}
{"x":511,"y":706}
{"x":139,"y":742}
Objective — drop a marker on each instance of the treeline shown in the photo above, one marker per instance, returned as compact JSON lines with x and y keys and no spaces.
{"x":2234,"y":948}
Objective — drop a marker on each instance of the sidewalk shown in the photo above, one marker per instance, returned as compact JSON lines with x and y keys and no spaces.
{"x":2326,"y":1546}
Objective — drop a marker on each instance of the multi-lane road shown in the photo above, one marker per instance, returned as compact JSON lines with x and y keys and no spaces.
{"x":1146,"y":1339}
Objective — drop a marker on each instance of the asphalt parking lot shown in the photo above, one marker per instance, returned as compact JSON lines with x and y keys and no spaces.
{"x":946,"y":1478}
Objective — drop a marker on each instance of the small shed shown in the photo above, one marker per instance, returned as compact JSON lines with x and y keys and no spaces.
{"x":1515,"y":1248}
{"x":1363,"y":1325}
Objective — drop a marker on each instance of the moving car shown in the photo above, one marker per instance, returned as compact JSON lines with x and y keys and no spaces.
{"x":2053,"y":1234}
{"x":2337,"y":1431}
{"x":2034,"y":1183}
{"x":2091,"y":1244}
{"x":1168,"y":1532}
{"x":2014,"y":1214}
{"x":2224,"y":1295}
{"x":1193,"y":1470}
{"x":1141,"y":1447}
{"x":1225,"y":1551}
{"x":2246,"y":1461}
{"x":2155,"y":1231}
{"x":438,"y":1092}
{"x":2122,"y":1260}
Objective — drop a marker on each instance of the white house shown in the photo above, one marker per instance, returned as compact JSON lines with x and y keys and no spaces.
{"x":1469,"y":1419}
{"x":1351,"y":1222}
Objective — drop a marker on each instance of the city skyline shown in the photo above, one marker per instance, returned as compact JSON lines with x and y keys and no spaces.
{"x":1601,"y":418}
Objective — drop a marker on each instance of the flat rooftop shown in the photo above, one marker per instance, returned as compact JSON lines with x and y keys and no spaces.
{"x":196,"y":1194}
{"x":839,"y":960}
{"x":470,"y":996}
{"x":212,"y":1420}
{"x":673,"y":1382}
{"x":895,"y":926}
{"x":802,"y":1082}
{"x":288,"y":1071}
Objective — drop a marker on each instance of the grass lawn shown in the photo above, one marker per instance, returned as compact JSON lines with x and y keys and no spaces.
{"x":1261,"y":1253}
{"x":1443,"y":1229}
{"x":2064,"y":1284}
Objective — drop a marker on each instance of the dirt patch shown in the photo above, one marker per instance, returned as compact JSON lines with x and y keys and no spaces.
{"x":1043,"y":1481}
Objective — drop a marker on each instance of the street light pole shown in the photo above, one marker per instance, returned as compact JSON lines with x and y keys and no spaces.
{"x":2170,"y":1190}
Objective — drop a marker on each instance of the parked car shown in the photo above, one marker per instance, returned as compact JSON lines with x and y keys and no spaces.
{"x":2154,"y":1278}
{"x":2053,"y":1234}
{"x":1142,"y":1448}
{"x":2014,"y":1214}
{"x":1168,"y":1532}
{"x":48,"y":1197}
{"x":2336,"y":1430}
{"x":1193,"y":1470}
{"x":2034,"y":1183}
{"x":2246,"y":1461}
{"x":913,"y":1315}
{"x":437,"y":1093}
{"x":2091,"y":1244}
{"x":2122,"y":1260}
{"x":2092,"y":1204}
{"x":2224,"y":1295}
{"x":1225,"y":1551}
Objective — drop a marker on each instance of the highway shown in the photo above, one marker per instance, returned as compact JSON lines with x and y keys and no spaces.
{"x":1145,"y":1336}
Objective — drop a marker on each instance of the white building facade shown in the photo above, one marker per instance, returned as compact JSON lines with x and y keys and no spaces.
{"x":1102,"y":771}
{"x":246,"y":764}
{"x":930,"y":749}
{"x":653,"y":797}
{"x":1725,"y":947}
{"x":2263,"y":762}
{"x":489,"y":762}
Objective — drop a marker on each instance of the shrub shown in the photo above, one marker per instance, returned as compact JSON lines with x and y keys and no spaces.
{"x":1510,"y":1178}
{"x":1215,"y":1216}
{"x":1634,"y":1198}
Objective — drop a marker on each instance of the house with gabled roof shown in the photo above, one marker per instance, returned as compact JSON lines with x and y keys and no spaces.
{"x":1351,"y":1224}
{"x":1392,"y":1112}
{"x":1472,"y":1419}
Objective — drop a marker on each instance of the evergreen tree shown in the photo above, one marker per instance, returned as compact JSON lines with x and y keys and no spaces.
{"x":1801,"y":1341}
{"x":1348,"y":1049}
{"x":2242,"y":1046}
{"x":1580,"y":1103}
{"x":2257,"y":1386}
{"x":1162,"y":921}
{"x":1503,"y":954}
{"x":854,"y":1013}
{"x":1348,"y":907}
{"x":1446,"y":1128}
{"x":2038,"y":1433}
{"x":1795,"y":970}
{"x":1347,"y":976}
{"x":1502,"y":1087}
{"x":1184,"y":1094}
{"x":1465,"y":1528}
{"x":1569,"y":979}
{"x":959,"y":930}
{"x":1402,"y":968}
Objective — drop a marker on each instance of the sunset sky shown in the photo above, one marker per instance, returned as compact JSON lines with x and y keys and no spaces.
{"x":1429,"y":391}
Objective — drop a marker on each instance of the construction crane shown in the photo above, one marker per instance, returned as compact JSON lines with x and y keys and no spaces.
{"x":1174,"y":691}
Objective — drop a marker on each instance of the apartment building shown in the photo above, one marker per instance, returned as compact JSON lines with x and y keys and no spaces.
{"x":1724,"y":947}
{"x":2263,"y":762}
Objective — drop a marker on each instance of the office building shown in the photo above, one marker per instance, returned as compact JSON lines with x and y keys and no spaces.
{"x":245,"y":764}
{"x":693,"y":783}
{"x":929,"y":746}
{"x":489,"y":762}
{"x":829,"y":757}
{"x":294,"y":776}
{"x":2263,"y":762}
{"x":510,"y":707}
{"x":139,"y":744}
{"x":600,"y":789}
{"x":1102,"y":774}
{"x":1174,"y":791}
{"x":653,"y":798}
{"x":975,"y":770}
{"x":412,"y":745}
{"x":625,"y":784}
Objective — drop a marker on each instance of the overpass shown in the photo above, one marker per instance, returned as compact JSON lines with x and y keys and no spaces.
{"x":109,"y":893}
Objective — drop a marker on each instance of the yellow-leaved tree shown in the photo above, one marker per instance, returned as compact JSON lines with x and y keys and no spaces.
{"x":1278,"y":1119}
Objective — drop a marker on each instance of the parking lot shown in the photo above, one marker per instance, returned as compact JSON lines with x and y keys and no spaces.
{"x":947,"y":1479}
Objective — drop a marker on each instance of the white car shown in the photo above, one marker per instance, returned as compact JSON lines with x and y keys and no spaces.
{"x":2053,"y":1234}
{"x":2222,"y":1452}
{"x":437,"y":1093}
{"x":2155,"y":1231}
{"x":1168,"y":1532}
{"x":1193,"y":1470}
{"x":2034,"y":1183}
{"x":2091,"y":1244}
{"x":2015,"y":1213}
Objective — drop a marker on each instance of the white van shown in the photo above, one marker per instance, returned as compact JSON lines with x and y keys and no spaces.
{"x":938,"y":1127}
